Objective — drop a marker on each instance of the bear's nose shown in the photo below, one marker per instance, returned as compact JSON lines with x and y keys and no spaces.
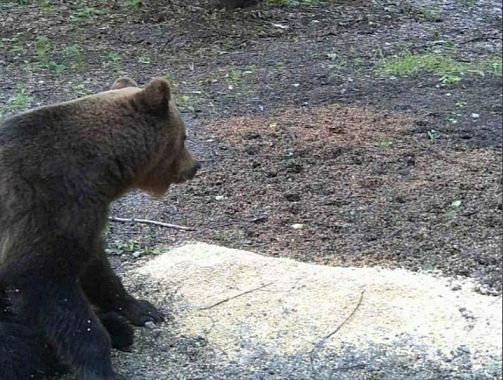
{"x":189,"y":174}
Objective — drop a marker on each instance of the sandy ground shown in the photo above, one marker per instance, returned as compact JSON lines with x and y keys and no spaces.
{"x":240,"y":315}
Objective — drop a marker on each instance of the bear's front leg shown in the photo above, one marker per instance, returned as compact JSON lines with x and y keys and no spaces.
{"x":105,"y":290}
{"x":59,"y":310}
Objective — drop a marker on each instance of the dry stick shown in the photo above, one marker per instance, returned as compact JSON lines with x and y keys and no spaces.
{"x":326,"y":337}
{"x":236,"y":296}
{"x":343,"y":322}
{"x":148,"y":221}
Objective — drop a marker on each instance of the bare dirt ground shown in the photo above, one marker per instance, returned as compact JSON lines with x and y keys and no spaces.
{"x":309,"y":150}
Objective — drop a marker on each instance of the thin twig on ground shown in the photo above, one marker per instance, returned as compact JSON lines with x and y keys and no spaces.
{"x":148,"y":221}
{"x":324,"y":339}
{"x":335,"y":331}
{"x":236,"y":296}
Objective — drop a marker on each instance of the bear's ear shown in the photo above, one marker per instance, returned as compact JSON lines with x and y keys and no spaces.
{"x":155,"y":96}
{"x":123,"y":83}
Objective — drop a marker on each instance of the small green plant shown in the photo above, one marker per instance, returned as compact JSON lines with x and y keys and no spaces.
{"x":133,"y":247}
{"x":84,"y":13}
{"x":332,"y":56}
{"x":79,"y":89}
{"x":428,"y":14}
{"x":468,"y":3}
{"x":433,"y":134}
{"x":114,"y":61}
{"x":43,"y":46}
{"x":74,"y":58}
{"x":45,"y":3}
{"x":494,"y":65}
{"x":386,"y":143}
{"x":16,"y":46}
{"x":184,"y":103}
{"x":453,"y":209}
{"x":427,"y":267}
{"x":144,"y":59}
{"x":19,"y":101}
{"x":450,"y":79}
{"x":235,"y":76}
{"x":133,"y":4}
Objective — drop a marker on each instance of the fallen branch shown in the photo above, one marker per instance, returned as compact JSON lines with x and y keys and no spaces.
{"x":486,"y":37}
{"x":344,"y":321}
{"x":335,"y":331}
{"x":236,"y":296}
{"x":148,"y":221}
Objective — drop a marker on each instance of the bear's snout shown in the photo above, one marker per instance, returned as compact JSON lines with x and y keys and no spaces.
{"x":191,"y":173}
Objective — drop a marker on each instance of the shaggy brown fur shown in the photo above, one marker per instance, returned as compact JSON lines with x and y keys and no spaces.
{"x":60,"y":168}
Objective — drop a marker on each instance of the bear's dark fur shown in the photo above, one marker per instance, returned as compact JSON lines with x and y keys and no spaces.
{"x":60,"y":168}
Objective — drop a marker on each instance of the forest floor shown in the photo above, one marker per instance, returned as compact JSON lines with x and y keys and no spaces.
{"x":347,"y":133}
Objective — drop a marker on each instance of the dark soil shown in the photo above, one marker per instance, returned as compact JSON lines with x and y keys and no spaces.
{"x":309,"y":152}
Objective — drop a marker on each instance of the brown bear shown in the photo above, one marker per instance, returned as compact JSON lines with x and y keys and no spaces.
{"x":60,"y":168}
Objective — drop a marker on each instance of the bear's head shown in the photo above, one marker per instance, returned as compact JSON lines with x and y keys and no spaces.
{"x":173,"y":162}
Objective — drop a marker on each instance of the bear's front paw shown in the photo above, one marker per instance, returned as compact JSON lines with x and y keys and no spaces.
{"x":120,"y":330}
{"x":139,"y":312}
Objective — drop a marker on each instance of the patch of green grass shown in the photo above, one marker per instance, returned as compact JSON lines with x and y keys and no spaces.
{"x":418,"y":13}
{"x":427,"y":14}
{"x":47,"y":6}
{"x":145,"y":60}
{"x":184,"y":103}
{"x":19,"y":101}
{"x":79,"y":89}
{"x":433,"y":134}
{"x":133,"y":247}
{"x":114,"y":61}
{"x":235,"y":75}
{"x":85,"y":13}
{"x":74,"y":58}
{"x":15,"y":45}
{"x":45,"y":3}
{"x":133,"y":4}
{"x":448,"y":70}
{"x":453,"y":209}
{"x":18,"y":47}
{"x":339,"y":62}
{"x":468,"y":3}
{"x":43,"y":46}
{"x":493,"y":65}
{"x":386,"y":143}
